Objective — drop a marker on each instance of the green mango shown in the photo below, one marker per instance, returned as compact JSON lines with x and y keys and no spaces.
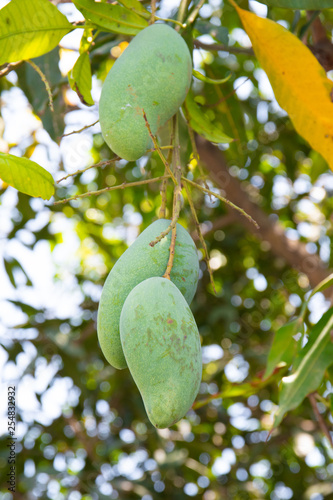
{"x":161,"y":344}
{"x":139,"y":262}
{"x":153,"y":74}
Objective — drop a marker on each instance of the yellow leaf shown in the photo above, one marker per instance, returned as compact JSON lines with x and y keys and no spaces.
{"x":300,"y":84}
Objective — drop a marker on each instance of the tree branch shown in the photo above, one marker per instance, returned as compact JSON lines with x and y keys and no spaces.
{"x":7,"y":68}
{"x":294,"y":252}
{"x":110,"y":188}
{"x":322,"y":47}
{"x":219,"y":46}
{"x":319,"y":418}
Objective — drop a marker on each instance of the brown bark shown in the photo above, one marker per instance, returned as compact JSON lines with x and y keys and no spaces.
{"x":294,"y":252}
{"x":322,"y":47}
{"x":219,"y":46}
{"x":323,"y":51}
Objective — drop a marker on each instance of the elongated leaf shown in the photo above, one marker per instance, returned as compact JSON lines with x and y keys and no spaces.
{"x":29,"y":29}
{"x":80,"y":79}
{"x":34,"y":89}
{"x":135,"y":6}
{"x":10,"y":265}
{"x":323,"y":285}
{"x":299,"y":82}
{"x":300,"y":4}
{"x":239,"y":390}
{"x":309,"y":368}
{"x":220,"y":33}
{"x":205,"y":79}
{"x":113,"y":18}
{"x":9,"y":270}
{"x":200,"y":122}
{"x":284,"y":346}
{"x":26,"y":176}
{"x":26,"y":308}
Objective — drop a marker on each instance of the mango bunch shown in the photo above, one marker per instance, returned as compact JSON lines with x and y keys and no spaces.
{"x":144,"y":322}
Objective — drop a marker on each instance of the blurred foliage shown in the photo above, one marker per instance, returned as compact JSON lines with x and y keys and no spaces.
{"x":83,"y":433}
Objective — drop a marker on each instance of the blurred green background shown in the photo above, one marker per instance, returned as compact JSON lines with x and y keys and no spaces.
{"x":82,"y":432}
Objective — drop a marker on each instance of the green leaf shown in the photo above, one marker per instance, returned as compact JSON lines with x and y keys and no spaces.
{"x":30,"y":29}
{"x":26,"y":176}
{"x":12,"y":264}
{"x":284,"y":345}
{"x":135,"y":6}
{"x":319,"y":165}
{"x":34,"y":89}
{"x":9,"y":270}
{"x":309,"y":367}
{"x":113,"y":18}
{"x":238,"y":390}
{"x":26,"y":308}
{"x":80,"y":79}
{"x":300,"y":4}
{"x":220,"y":33}
{"x":200,"y":122}
{"x":323,"y":285}
{"x":205,"y":79}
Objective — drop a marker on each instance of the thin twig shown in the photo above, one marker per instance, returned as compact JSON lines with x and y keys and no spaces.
{"x":111,"y":188}
{"x":182,"y":11}
{"x":9,"y":67}
{"x":158,"y":149}
{"x":100,"y":164}
{"x":153,"y":11}
{"x":103,"y":164}
{"x":322,"y":400}
{"x":80,"y":130}
{"x":320,"y":420}
{"x":201,"y":238}
{"x":163,"y":234}
{"x":171,"y":253}
{"x":164,"y":185}
{"x":166,"y":20}
{"x":224,"y":48}
{"x":192,"y":17}
{"x":44,"y":79}
{"x":176,"y":197}
{"x":225,"y":200}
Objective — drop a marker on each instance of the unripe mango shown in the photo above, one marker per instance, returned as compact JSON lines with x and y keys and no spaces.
{"x":139,"y":262}
{"x":161,"y":343}
{"x":153,"y":74}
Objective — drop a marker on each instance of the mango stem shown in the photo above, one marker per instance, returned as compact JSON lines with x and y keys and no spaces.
{"x":153,"y":138}
{"x":176,"y":197}
{"x":163,"y":234}
{"x":164,"y":184}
